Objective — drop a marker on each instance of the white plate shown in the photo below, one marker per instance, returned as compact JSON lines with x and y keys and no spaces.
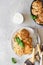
{"x":34,"y":38}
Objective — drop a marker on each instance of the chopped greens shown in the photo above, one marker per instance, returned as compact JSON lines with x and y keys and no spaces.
{"x":33,"y":17}
{"x":14,"y":60}
{"x":19,"y":41}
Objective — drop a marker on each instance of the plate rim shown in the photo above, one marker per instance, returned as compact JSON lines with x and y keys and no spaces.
{"x":27,"y":29}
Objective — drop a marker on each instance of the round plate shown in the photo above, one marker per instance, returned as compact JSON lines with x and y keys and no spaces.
{"x":34,"y":39}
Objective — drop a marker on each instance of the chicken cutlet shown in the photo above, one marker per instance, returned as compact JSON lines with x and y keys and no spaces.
{"x":23,"y":38}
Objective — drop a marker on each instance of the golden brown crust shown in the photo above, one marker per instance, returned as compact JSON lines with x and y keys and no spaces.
{"x":27,"y":40}
{"x":39,"y":19}
{"x":37,"y":10}
{"x":24,"y":33}
{"x":27,"y":49}
{"x":37,"y":5}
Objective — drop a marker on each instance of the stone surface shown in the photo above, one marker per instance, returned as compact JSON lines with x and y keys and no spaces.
{"x":7,"y":10}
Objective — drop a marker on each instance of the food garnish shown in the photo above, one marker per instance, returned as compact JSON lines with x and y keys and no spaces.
{"x":19,"y":41}
{"x":22,"y":42}
{"x":33,"y":17}
{"x":14,"y":60}
{"x":37,"y":11}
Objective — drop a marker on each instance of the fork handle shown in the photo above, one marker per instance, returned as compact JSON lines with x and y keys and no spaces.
{"x":38,"y":48}
{"x":33,"y":55}
{"x":41,"y":60}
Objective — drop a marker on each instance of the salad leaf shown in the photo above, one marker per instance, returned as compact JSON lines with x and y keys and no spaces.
{"x":14,"y":60}
{"x":33,"y":17}
{"x":19,"y":41}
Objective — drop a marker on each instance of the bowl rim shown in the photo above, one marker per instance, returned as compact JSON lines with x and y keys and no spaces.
{"x":32,"y":14}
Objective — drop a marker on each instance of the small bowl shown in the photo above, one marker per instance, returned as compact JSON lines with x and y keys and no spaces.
{"x":32,"y":14}
{"x":18,"y":18}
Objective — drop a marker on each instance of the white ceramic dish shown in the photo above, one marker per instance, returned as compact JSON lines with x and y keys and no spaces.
{"x":34,"y":38}
{"x":18,"y":18}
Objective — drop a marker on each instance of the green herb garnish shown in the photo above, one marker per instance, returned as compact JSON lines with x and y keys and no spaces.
{"x":14,"y":60}
{"x":33,"y":17}
{"x":19,"y":41}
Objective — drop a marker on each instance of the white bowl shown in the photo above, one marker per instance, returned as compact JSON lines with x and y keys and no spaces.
{"x":18,"y":18}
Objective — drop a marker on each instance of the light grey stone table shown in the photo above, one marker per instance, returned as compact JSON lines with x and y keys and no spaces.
{"x":7,"y":27}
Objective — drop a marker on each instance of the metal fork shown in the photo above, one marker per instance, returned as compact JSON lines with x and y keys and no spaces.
{"x":40,"y":53}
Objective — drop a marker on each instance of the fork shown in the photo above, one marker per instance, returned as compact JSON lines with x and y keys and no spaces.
{"x":39,"y":50}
